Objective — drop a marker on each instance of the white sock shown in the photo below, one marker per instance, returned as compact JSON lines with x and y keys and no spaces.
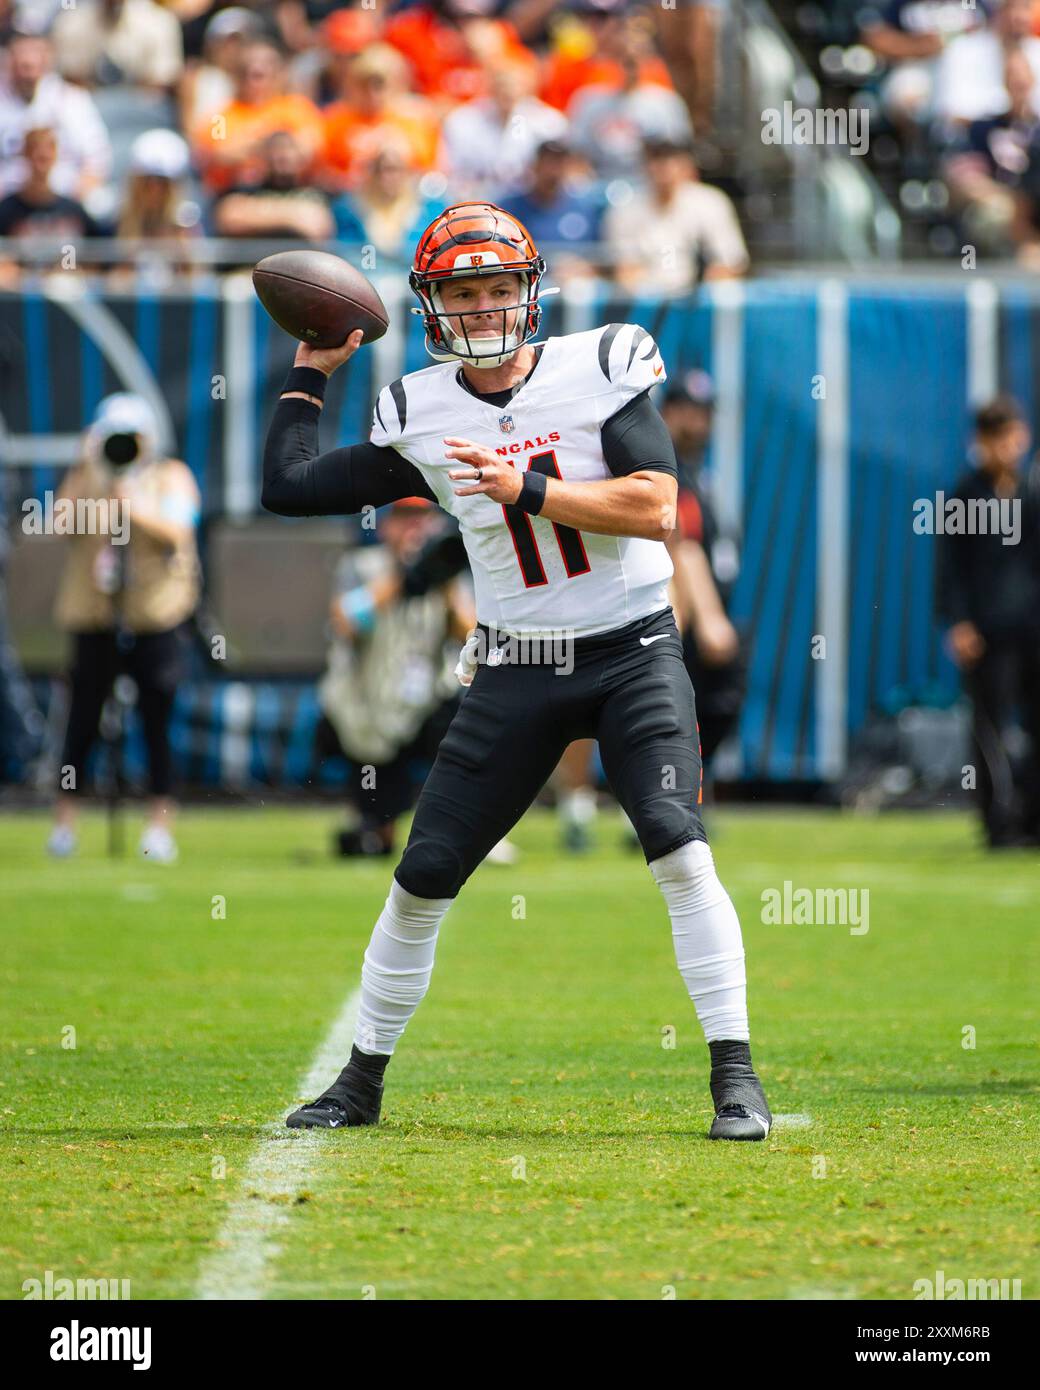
{"x":708,"y":946}
{"x":397,"y":968}
{"x":578,"y":807}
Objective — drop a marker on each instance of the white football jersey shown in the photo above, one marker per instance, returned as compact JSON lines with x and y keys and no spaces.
{"x":530,"y":575}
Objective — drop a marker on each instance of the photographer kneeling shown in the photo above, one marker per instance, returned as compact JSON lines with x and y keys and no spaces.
{"x":128,"y":589}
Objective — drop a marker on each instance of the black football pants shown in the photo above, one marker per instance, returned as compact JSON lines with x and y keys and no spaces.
{"x":628,"y":689}
{"x":156,"y":660}
{"x":1005,"y":681}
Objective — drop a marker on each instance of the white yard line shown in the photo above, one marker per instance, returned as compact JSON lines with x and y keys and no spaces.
{"x":280,"y":1167}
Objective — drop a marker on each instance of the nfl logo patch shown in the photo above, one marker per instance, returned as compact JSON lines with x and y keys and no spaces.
{"x":506,"y":424}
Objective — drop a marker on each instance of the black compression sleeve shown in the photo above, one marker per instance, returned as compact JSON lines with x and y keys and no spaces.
{"x":635,"y":439}
{"x":299,"y":481}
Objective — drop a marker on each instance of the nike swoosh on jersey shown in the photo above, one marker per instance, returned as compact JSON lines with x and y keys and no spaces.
{"x":645,"y":641}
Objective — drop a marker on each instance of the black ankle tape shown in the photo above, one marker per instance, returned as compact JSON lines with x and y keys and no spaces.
{"x":727,"y":1052}
{"x":370,"y":1065}
{"x":308,"y":379}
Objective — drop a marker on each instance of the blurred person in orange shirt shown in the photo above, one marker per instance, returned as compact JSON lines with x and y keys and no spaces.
{"x":452,"y":45}
{"x":322,"y":71}
{"x":591,"y":45}
{"x":376,"y":104}
{"x":208,"y":82}
{"x":229,"y":144}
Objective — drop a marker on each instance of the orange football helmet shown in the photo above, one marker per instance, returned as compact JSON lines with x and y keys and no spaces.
{"x":475,"y":239}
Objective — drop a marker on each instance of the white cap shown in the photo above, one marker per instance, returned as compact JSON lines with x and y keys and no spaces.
{"x":236,"y":19}
{"x":161,"y":152}
{"x":124,"y":413}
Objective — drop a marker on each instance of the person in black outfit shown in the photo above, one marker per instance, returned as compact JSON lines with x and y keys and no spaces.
{"x":989,"y":599}
{"x":707,"y":562}
{"x":35,"y":210}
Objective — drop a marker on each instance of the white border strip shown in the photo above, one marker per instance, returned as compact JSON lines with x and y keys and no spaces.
{"x":240,"y":454}
{"x":728,"y":301}
{"x":238,"y":706}
{"x":983,"y":354}
{"x":388,"y":352}
{"x":281,"y":1166}
{"x":727,"y":451}
{"x":18,"y":449}
{"x":832,"y":529}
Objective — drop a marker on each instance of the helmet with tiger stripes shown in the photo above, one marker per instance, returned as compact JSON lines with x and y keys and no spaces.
{"x":476,"y":239}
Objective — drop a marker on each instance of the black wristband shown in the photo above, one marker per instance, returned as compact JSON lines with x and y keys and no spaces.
{"x":532,"y":494}
{"x":308,"y":379}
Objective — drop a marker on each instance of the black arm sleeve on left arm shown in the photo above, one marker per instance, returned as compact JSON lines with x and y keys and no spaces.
{"x":300,"y":481}
{"x":636,"y":440}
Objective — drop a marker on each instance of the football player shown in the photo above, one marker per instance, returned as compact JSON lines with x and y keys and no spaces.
{"x":562,"y":477}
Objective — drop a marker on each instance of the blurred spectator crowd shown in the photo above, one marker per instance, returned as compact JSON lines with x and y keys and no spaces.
{"x":316,"y":121}
{"x":168,"y":122}
{"x":953,"y":90}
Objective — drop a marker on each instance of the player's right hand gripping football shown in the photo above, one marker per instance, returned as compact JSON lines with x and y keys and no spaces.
{"x":328,"y":359}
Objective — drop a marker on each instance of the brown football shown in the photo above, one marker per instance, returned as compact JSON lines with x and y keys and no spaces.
{"x":318,"y":298}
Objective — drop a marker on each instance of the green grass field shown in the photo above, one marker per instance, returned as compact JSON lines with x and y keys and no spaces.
{"x":539,"y":1140}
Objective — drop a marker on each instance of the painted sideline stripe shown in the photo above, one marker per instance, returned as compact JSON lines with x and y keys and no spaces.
{"x":281,"y":1166}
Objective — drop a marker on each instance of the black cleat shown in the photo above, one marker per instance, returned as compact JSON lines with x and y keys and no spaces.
{"x":338,"y":1109}
{"x":366,"y":844}
{"x":740,"y":1122}
{"x":741,"y":1109}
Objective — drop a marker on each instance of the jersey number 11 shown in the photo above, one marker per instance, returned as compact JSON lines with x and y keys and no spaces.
{"x":572,"y":548}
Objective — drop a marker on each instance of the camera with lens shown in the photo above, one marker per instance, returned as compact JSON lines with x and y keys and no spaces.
{"x":121,"y":450}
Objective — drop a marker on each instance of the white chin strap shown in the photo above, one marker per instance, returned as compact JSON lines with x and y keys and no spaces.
{"x":495,"y":359}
